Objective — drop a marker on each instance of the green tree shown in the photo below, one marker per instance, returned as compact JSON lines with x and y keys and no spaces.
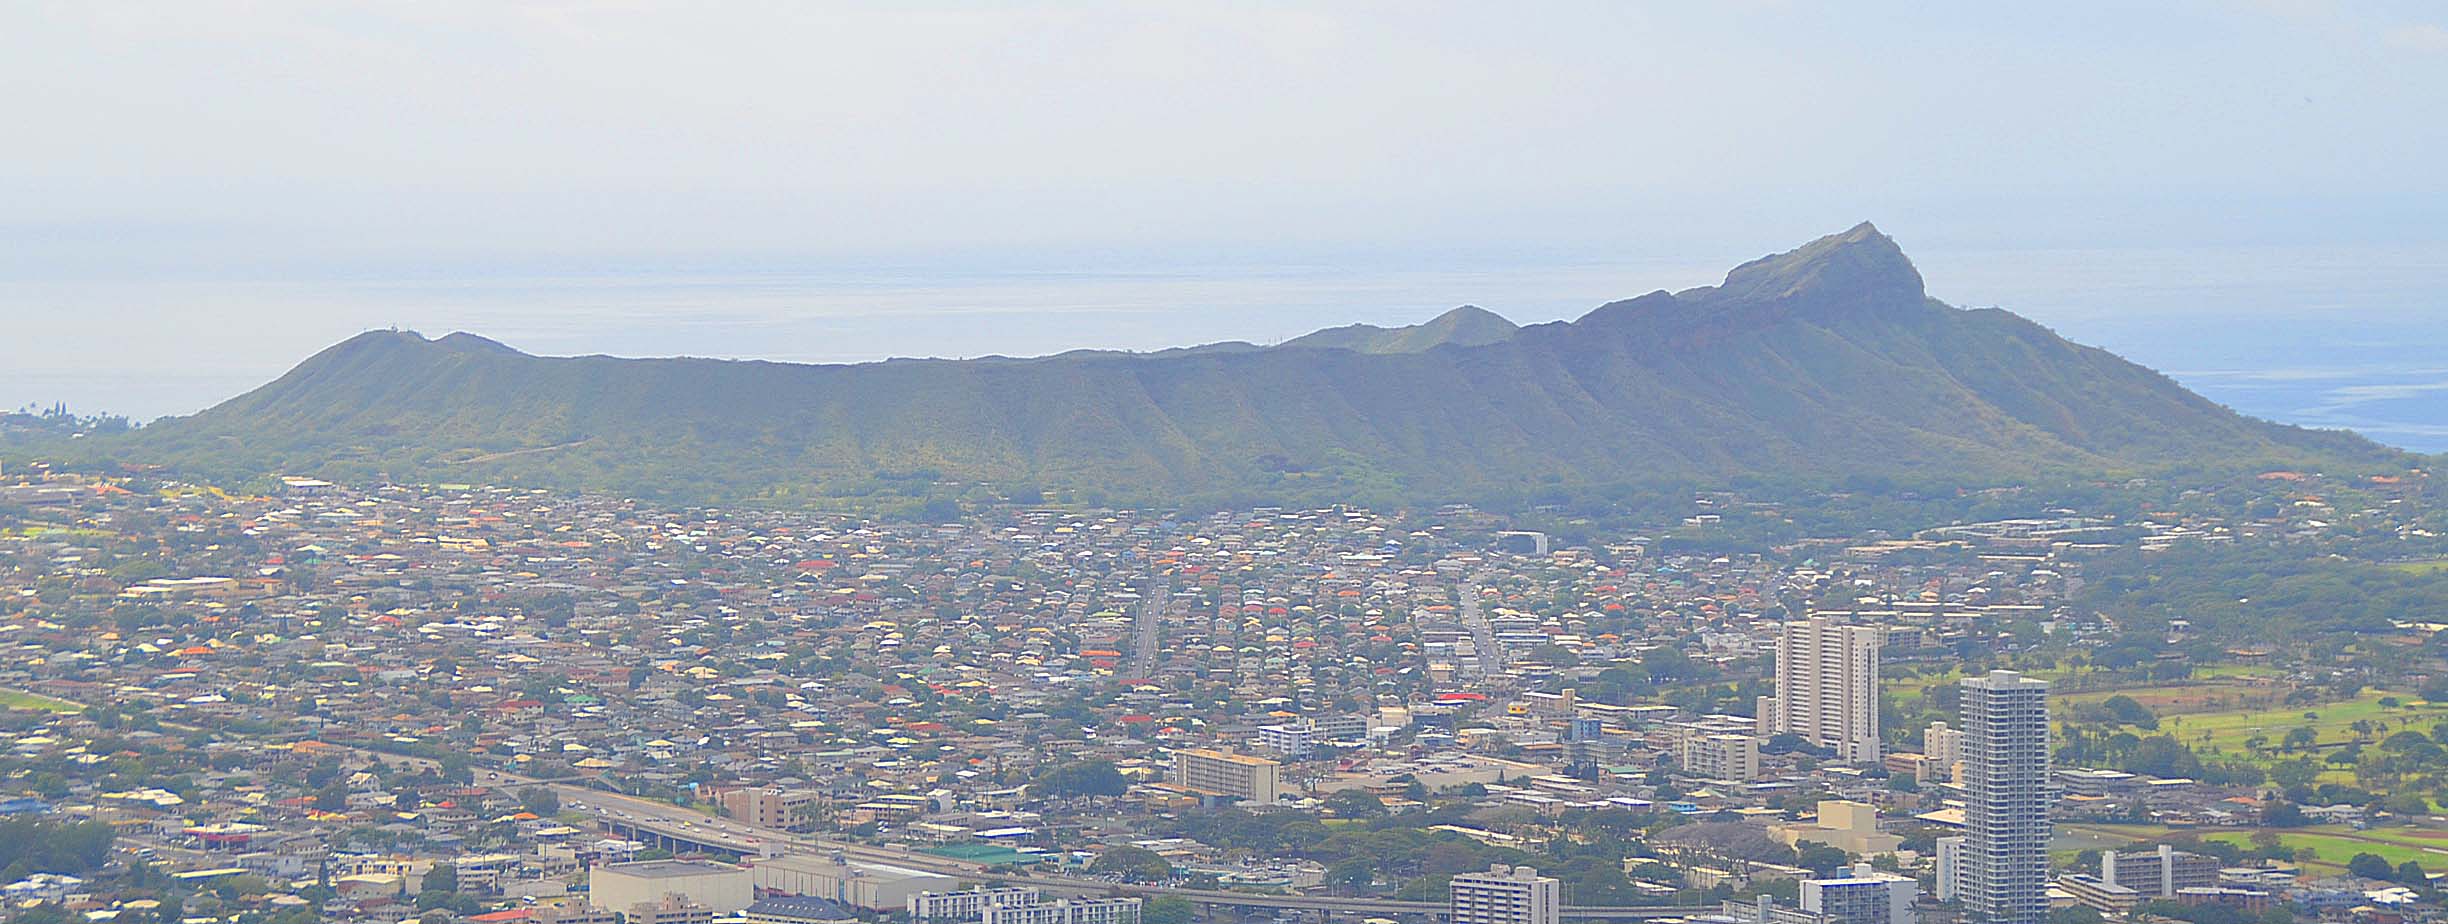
{"x":442,"y":878}
{"x":2076,"y":914}
{"x":1351,"y":873}
{"x":2371,"y":866}
{"x":1081,"y":778}
{"x":1354,"y":803}
{"x":2126,"y":711}
{"x":1133,"y":864}
{"x":540,"y":800}
{"x":1167,"y":909}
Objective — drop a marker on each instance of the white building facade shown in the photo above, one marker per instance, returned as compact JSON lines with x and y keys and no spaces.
{"x":1827,"y":687}
{"x":2007,"y":796}
{"x":1505,"y":895}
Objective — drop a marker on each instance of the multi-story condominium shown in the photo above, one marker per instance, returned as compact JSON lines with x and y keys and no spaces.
{"x":967,"y":904}
{"x":2006,"y":798}
{"x":1950,"y":867}
{"x":772,"y":808}
{"x":1720,"y":757}
{"x":1944,"y":747}
{"x":1505,"y":895}
{"x":1339,"y":726}
{"x":2104,"y":897}
{"x":1237,"y":776}
{"x":1864,"y":898}
{"x":1065,"y":911}
{"x":1290,"y":739}
{"x":1827,"y":687}
{"x":2162,"y":873}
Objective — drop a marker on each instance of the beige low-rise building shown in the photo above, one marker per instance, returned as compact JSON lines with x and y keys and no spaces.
{"x":1852,"y":827}
{"x":719,"y":886}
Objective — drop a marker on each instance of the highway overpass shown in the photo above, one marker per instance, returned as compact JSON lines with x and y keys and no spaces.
{"x":681,"y":830}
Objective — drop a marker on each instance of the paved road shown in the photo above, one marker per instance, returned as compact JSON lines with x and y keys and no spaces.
{"x":1483,"y":636}
{"x":1146,"y":626}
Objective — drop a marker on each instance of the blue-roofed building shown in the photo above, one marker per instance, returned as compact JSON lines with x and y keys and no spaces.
{"x":798,"y":909}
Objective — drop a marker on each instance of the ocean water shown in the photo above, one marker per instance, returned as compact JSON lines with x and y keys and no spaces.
{"x":2353,"y":337}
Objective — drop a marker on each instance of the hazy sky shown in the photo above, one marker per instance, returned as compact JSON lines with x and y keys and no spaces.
{"x":213,"y":189}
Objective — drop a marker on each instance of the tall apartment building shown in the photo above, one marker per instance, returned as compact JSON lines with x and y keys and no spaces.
{"x":1720,"y":757}
{"x":1255,"y":780}
{"x":2006,"y":798}
{"x":1505,"y":895}
{"x":1827,"y":687}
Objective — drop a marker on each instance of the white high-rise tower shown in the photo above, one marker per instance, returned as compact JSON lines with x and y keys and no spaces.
{"x":2006,"y":805}
{"x":1827,"y":687}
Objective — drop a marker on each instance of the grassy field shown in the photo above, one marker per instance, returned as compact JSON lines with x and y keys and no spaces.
{"x":2331,"y":845}
{"x":19,"y":699}
{"x":38,"y":531}
{"x":2420,"y":567}
{"x":2218,"y":695}
{"x":2228,"y":731}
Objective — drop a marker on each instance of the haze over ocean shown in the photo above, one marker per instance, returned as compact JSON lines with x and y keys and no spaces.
{"x":2344,"y":336}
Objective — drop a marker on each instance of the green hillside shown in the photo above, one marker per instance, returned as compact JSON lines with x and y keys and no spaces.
{"x":1826,"y":362}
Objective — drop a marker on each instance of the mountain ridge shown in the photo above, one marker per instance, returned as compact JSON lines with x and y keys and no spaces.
{"x":1468,"y":325}
{"x":1825,"y":362}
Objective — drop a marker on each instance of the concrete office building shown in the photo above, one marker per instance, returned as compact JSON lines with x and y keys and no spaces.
{"x":1255,"y":780}
{"x":718,"y":886}
{"x":2006,"y":798}
{"x":1504,"y":895}
{"x":1866,"y":897}
{"x":1827,"y":687}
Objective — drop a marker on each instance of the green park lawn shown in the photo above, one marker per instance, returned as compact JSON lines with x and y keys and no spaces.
{"x":19,"y":699}
{"x":2334,"y":722}
{"x":2331,"y":845}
